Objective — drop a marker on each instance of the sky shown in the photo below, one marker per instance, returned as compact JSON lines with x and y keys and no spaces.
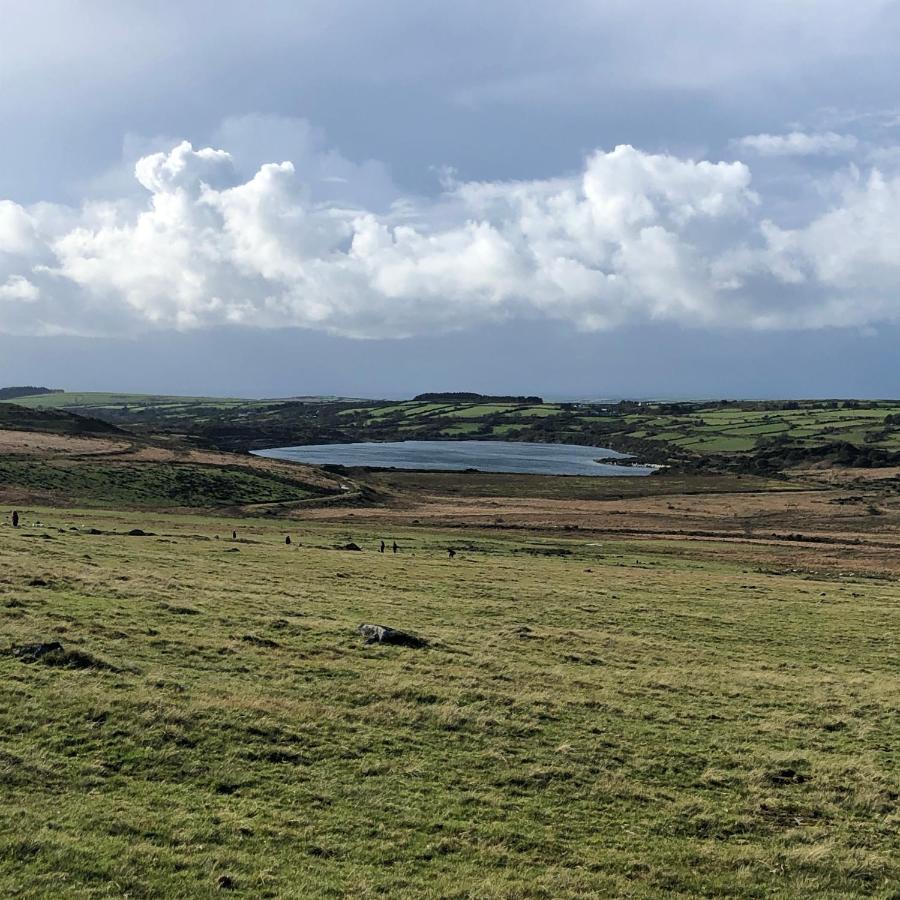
{"x":577,"y":199}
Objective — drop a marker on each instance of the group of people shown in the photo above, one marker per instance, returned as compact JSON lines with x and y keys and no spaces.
{"x":287,"y":540}
{"x":396,"y":549}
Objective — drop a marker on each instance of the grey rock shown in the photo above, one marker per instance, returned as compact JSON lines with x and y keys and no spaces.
{"x":33,"y":652}
{"x":381,"y":634}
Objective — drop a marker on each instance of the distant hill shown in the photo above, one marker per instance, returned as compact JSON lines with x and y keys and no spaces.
{"x":28,"y":390}
{"x":53,"y":421}
{"x":463,"y":396}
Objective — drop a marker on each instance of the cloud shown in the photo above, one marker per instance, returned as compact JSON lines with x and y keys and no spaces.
{"x":19,"y":289}
{"x":799,"y":143}
{"x":632,"y":237}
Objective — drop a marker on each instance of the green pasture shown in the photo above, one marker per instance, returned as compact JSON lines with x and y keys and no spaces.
{"x":590,"y":719}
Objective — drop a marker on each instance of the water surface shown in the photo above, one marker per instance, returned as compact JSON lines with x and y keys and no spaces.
{"x":486,"y":456}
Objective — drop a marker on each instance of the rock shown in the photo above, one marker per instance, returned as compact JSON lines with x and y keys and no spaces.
{"x":351,"y":546}
{"x":33,"y":652}
{"x":37,"y":582}
{"x":381,"y":634}
{"x":137,"y":532}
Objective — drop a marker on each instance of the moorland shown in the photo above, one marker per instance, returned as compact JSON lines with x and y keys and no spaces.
{"x":673,"y":686}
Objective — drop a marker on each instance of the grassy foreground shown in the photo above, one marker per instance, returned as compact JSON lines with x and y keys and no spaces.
{"x":615,"y":719}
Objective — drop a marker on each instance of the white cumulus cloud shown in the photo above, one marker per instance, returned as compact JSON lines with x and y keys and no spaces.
{"x":632,"y":237}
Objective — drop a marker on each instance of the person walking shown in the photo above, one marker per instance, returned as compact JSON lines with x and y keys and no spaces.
{"x":15,"y":519}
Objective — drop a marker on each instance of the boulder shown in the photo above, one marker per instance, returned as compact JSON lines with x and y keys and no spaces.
{"x":33,"y":652}
{"x":381,"y":634}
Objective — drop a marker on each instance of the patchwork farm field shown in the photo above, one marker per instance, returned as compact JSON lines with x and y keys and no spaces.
{"x":725,"y":433}
{"x":592,"y":717}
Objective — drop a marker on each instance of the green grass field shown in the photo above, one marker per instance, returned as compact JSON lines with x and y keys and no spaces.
{"x":163,"y":484}
{"x":592,"y":719}
{"x":85,"y":400}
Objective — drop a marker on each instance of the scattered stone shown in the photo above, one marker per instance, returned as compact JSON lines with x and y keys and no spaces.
{"x":225,"y":883}
{"x":94,"y":531}
{"x":380,"y":634}
{"x":351,"y":546}
{"x":137,"y":532}
{"x":33,"y":652}
{"x":37,"y":582}
{"x":233,"y":550}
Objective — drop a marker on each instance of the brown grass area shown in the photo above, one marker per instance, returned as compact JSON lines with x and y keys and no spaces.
{"x":61,"y":447}
{"x":823,"y":529}
{"x":35,"y":443}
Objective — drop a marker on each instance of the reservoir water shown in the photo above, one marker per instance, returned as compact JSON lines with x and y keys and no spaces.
{"x":485,"y":456}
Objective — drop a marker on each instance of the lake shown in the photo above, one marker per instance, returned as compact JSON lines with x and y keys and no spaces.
{"x":486,"y":456}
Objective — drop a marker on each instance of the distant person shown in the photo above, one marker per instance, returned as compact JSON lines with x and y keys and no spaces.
{"x":15,"y":520}
{"x":451,"y":553}
{"x":382,"y":547}
{"x":396,"y":548}
{"x":234,"y":535}
{"x":287,"y":540}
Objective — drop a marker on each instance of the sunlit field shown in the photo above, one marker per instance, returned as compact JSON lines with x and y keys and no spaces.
{"x":590,"y":718}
